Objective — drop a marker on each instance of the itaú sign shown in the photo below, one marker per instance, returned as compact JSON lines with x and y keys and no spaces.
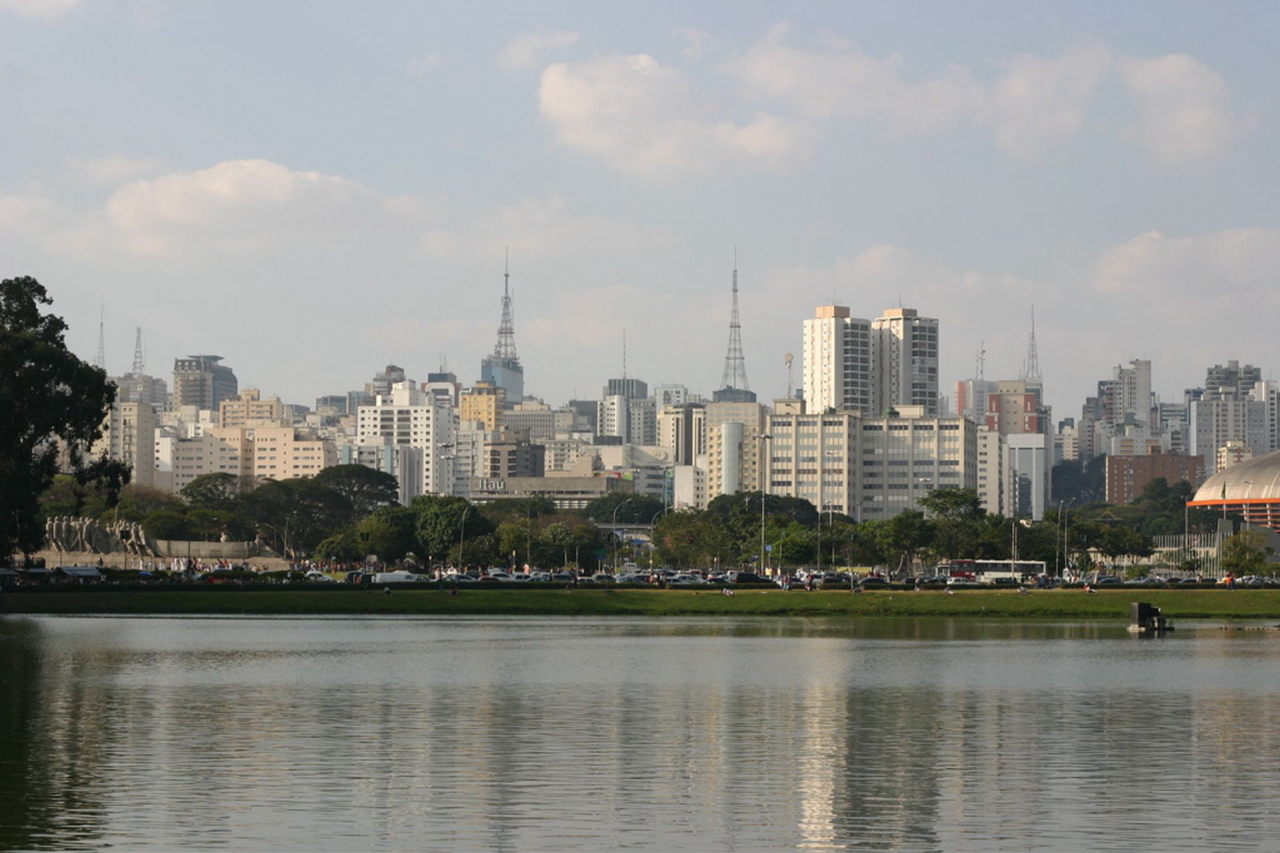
{"x":493,"y":485}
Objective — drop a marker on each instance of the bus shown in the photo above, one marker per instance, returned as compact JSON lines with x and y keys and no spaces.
{"x":991,"y":571}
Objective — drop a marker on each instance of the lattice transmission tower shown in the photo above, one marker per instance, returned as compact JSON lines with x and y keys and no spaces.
{"x":735,"y":364}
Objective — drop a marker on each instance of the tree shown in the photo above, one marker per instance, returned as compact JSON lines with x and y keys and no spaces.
{"x":167,"y":524}
{"x":366,"y":489}
{"x":903,"y":536}
{"x":212,"y":491}
{"x":439,"y":526}
{"x":1247,"y":553}
{"x":957,"y":522}
{"x":632,"y":509}
{"x":390,"y":532}
{"x":296,"y":514}
{"x":51,"y":404}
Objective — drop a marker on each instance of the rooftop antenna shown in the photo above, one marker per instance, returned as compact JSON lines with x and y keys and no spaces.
{"x":506,"y":346}
{"x":735,"y":364}
{"x":1031,"y":371}
{"x":982,"y":360}
{"x":787,"y":359}
{"x":100,"y":361}
{"x":139,"y":362}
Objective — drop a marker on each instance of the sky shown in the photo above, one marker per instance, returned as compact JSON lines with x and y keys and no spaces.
{"x":315,"y":190}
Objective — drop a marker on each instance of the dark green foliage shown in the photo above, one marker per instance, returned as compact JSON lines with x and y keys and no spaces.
{"x":167,"y":524}
{"x":295,"y":515}
{"x":213,"y":491}
{"x":51,"y":404}
{"x":364,"y":488}
{"x":632,"y":509}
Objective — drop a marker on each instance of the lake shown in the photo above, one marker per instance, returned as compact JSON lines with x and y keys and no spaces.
{"x":673,"y":734}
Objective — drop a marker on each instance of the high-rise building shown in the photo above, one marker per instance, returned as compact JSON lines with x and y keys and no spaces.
{"x":1230,"y":380}
{"x":1127,"y":476}
{"x":972,"y":398}
{"x":1015,"y":408}
{"x":409,"y":417}
{"x":286,"y":453}
{"x":1028,"y":474}
{"x":503,"y":367}
{"x":201,"y":381}
{"x":837,"y":362}
{"x":632,"y":389}
{"x":484,"y":402}
{"x":129,"y":436}
{"x":733,"y":447}
{"x":904,"y":351}
{"x":249,"y":408}
{"x":683,"y":429}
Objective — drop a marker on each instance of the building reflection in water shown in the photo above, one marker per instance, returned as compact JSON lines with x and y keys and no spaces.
{"x":580,"y":734}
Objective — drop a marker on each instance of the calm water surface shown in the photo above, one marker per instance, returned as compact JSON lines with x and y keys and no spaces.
{"x":575,"y":734}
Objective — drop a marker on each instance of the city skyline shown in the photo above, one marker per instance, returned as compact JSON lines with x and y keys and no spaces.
{"x":311,"y":205}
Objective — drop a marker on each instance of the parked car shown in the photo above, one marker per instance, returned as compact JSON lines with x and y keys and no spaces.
{"x":746,"y":578}
{"x":686,"y":580}
{"x":877,"y":581}
{"x":633,"y":578}
{"x":603,"y":577}
{"x":1108,"y":580}
{"x":961,"y":581}
{"x":319,"y":577}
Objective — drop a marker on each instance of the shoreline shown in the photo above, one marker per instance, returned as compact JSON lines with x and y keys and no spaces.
{"x":1041,"y":604}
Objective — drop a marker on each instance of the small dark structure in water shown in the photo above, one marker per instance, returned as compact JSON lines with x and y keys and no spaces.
{"x":1146,"y":619}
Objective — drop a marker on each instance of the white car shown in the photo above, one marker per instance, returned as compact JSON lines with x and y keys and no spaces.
{"x":961,"y":582}
{"x":319,"y":577}
{"x":686,"y":580}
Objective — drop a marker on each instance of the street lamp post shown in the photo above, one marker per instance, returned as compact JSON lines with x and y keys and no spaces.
{"x":652,"y":543}
{"x":830,"y":521}
{"x":764,"y":482}
{"x":615,"y":533}
{"x":462,"y":538}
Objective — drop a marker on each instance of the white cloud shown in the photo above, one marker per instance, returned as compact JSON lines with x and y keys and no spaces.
{"x":696,"y":42}
{"x":113,"y":170}
{"x":419,"y":65}
{"x":1034,"y":104}
{"x":38,"y":8}
{"x":1038,"y":103}
{"x":235,"y":206}
{"x":541,"y":228}
{"x":1235,"y":264}
{"x":525,"y":51}
{"x":839,"y":79}
{"x":644,"y":118}
{"x":1182,"y":107}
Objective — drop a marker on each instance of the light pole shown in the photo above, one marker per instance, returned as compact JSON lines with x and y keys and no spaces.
{"x":764,"y":482}
{"x":830,"y":521}
{"x":615,"y":533}
{"x":652,"y":543}
{"x":1060,"y":540}
{"x":462,"y":538}
{"x":1244,"y":505}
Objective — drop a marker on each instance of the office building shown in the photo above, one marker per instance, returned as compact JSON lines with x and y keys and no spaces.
{"x":202,"y":381}
{"x":904,"y":350}
{"x":837,"y":361}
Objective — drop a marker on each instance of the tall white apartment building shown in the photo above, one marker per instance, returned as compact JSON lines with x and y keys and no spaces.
{"x":683,"y":429}
{"x":1267,"y":392}
{"x":1133,"y":391}
{"x":410,"y":417}
{"x":991,"y":470}
{"x":904,"y":348}
{"x":837,"y":361}
{"x":129,"y":436}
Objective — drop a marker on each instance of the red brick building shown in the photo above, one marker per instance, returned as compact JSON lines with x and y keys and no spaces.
{"x":1127,"y":476}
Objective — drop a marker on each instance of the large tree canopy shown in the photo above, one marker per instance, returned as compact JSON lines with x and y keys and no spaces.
{"x":52,"y":405}
{"x":367,"y":490}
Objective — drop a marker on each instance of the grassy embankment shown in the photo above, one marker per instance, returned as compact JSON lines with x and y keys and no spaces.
{"x":1057,"y":604}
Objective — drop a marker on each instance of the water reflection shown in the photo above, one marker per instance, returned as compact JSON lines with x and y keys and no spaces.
{"x":681,"y":734}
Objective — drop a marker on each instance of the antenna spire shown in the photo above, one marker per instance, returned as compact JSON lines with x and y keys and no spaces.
{"x":139,"y":361}
{"x":100,"y":360}
{"x":506,"y":345}
{"x":1031,"y":370}
{"x":735,"y":364}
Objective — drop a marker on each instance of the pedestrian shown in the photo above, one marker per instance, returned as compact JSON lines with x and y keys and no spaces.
{"x":386,"y":590}
{"x":950,"y":591}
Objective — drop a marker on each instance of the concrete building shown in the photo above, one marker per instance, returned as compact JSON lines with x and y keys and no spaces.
{"x":484,"y":402}
{"x":409,"y":417}
{"x":869,"y":467}
{"x":1127,"y":476}
{"x":202,"y":381}
{"x":683,"y":429}
{"x":672,"y":394}
{"x":140,"y":388}
{"x":1267,"y":392}
{"x":384,"y":381}
{"x":1232,"y":453}
{"x":286,"y":453}
{"x":564,"y":492}
{"x":1028,"y":475}
{"x":444,"y":386}
{"x":837,"y":361}
{"x":632,"y":389}
{"x":904,"y":353}
{"x":1215,"y":422}
{"x":991,"y":479}
{"x":179,"y":459}
{"x":537,"y":419}
{"x":1230,"y":380}
{"x":249,"y":409}
{"x":733,"y":447}
{"x":1067,"y":441}
{"x":129,"y":436}
{"x":689,"y":486}
{"x":972,"y":398}
{"x":1015,"y":407}
{"x":510,"y":453}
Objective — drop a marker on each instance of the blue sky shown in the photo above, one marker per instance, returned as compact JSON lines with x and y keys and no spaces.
{"x":315,"y":190}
